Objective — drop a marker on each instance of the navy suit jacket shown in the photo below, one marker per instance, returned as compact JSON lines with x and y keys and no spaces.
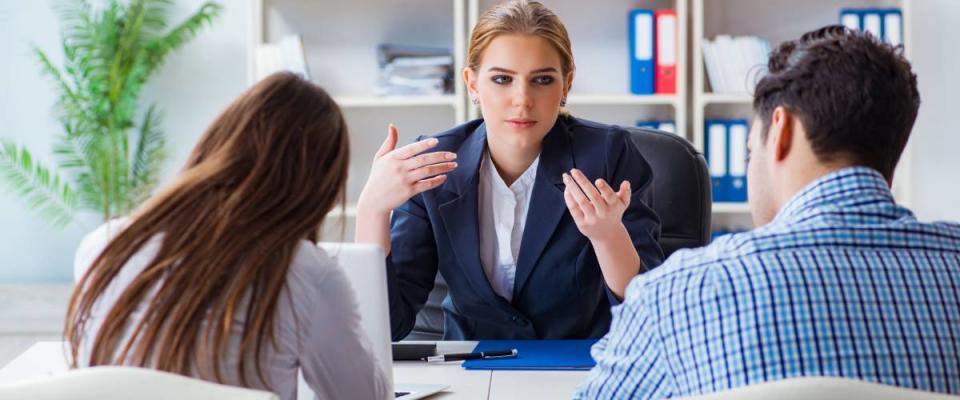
{"x":559,"y":290}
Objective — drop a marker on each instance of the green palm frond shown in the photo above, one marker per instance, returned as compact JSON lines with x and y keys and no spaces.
{"x":45,"y":191}
{"x":155,"y":16}
{"x":78,"y":155}
{"x":110,"y":52}
{"x":76,"y":22}
{"x":158,"y":50}
{"x":147,"y":157}
{"x":67,"y":95}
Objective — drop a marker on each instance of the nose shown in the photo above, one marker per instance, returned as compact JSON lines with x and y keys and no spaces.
{"x":522,"y":96}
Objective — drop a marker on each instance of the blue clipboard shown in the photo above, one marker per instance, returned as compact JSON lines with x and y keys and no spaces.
{"x":572,"y":355}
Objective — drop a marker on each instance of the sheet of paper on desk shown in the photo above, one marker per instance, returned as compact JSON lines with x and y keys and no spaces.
{"x":536,"y":355}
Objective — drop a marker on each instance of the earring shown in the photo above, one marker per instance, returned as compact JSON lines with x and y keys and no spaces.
{"x":563,"y":102}
{"x":475,"y":101}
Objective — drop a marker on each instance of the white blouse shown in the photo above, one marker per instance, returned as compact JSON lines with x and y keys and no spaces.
{"x":502,"y":218}
{"x":328,"y":344}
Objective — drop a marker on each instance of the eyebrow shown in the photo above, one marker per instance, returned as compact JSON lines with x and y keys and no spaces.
{"x":536,"y":71}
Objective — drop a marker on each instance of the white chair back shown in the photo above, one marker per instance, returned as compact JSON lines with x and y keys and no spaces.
{"x":821,"y":388}
{"x":124,"y":383}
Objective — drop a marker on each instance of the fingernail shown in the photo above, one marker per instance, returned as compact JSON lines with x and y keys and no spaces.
{"x":433,"y":141}
{"x":565,"y":176}
{"x":454,"y":165}
{"x":451,"y":156}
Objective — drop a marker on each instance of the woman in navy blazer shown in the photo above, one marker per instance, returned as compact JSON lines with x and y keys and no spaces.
{"x":580,"y":243}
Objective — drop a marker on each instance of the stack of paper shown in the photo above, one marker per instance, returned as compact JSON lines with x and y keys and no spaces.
{"x":283,"y":55}
{"x":735,"y":64}
{"x":414,"y":71}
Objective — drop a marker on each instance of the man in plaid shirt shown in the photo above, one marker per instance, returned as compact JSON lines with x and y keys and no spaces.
{"x":838,"y":280}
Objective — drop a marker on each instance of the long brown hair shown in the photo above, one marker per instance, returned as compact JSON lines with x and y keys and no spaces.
{"x":260,"y":180}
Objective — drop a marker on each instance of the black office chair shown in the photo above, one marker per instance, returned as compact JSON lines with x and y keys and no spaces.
{"x":681,"y":188}
{"x":681,"y":197}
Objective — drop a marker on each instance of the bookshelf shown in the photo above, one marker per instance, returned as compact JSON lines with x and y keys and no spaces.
{"x":601,"y":87}
{"x":774,"y":21}
{"x":340,"y":39}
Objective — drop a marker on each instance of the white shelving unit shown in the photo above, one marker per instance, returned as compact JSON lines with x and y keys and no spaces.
{"x":598,"y":32}
{"x":728,"y":208}
{"x":775,"y":21}
{"x":397,"y":101}
{"x":621,"y":99}
{"x":340,"y":39}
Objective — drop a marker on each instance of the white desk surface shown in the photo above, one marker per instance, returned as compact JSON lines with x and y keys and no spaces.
{"x":47,"y":358}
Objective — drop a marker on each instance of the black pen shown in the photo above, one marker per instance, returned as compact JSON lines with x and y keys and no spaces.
{"x":472,"y":356}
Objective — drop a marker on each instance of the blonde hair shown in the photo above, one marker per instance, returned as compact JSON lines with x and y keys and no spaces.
{"x":520,"y":17}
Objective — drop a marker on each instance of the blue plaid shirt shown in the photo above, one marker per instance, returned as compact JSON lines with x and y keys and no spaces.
{"x":843,"y":282}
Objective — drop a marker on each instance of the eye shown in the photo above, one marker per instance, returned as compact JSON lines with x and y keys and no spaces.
{"x":501,"y":79}
{"x":543,"y":80}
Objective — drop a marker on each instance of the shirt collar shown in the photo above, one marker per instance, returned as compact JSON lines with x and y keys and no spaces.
{"x":523,"y":183}
{"x":837,"y":189}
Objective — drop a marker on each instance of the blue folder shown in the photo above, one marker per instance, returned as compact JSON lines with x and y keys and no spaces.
{"x":717,"y":150}
{"x":536,"y":355}
{"x":641,"y":41}
{"x":852,"y":18}
{"x":736,"y":185}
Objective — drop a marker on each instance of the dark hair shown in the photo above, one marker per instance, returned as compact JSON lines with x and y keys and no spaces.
{"x":260,"y":180}
{"x":855,"y":96}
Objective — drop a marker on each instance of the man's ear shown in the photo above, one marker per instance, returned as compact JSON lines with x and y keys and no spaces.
{"x":470,"y":80}
{"x":781,"y":133}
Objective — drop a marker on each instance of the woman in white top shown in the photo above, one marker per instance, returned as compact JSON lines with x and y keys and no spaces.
{"x":219,"y":276}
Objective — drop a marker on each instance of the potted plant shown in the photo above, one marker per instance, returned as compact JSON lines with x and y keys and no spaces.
{"x":111,"y":148}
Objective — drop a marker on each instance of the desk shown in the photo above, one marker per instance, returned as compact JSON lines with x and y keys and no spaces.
{"x":48,"y":358}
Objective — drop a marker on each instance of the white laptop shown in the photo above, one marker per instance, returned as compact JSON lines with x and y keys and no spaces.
{"x":366,"y":270}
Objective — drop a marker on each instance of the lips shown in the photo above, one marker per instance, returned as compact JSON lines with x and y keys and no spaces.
{"x":521,"y":122}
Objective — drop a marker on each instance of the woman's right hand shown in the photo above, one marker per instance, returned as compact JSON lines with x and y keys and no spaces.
{"x":397,"y":174}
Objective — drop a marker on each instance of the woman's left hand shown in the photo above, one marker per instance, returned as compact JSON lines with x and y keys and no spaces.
{"x":596,"y":209}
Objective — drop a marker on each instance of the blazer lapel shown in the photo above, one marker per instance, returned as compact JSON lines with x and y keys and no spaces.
{"x":547,"y":206}
{"x":458,"y":210}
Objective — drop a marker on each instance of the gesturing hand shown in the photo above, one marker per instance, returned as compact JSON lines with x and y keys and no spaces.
{"x":397,"y":174}
{"x":597,"y":210}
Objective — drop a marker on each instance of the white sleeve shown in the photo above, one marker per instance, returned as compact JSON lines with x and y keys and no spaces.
{"x":335,"y":353}
{"x":93,"y":244}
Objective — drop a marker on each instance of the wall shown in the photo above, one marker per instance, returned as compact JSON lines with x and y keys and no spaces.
{"x":935,"y":178}
{"x":200,"y":79}
{"x":195,"y":84}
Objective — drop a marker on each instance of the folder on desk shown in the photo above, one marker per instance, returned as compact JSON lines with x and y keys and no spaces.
{"x":716,"y":151}
{"x":641,"y":51}
{"x":536,"y":355}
